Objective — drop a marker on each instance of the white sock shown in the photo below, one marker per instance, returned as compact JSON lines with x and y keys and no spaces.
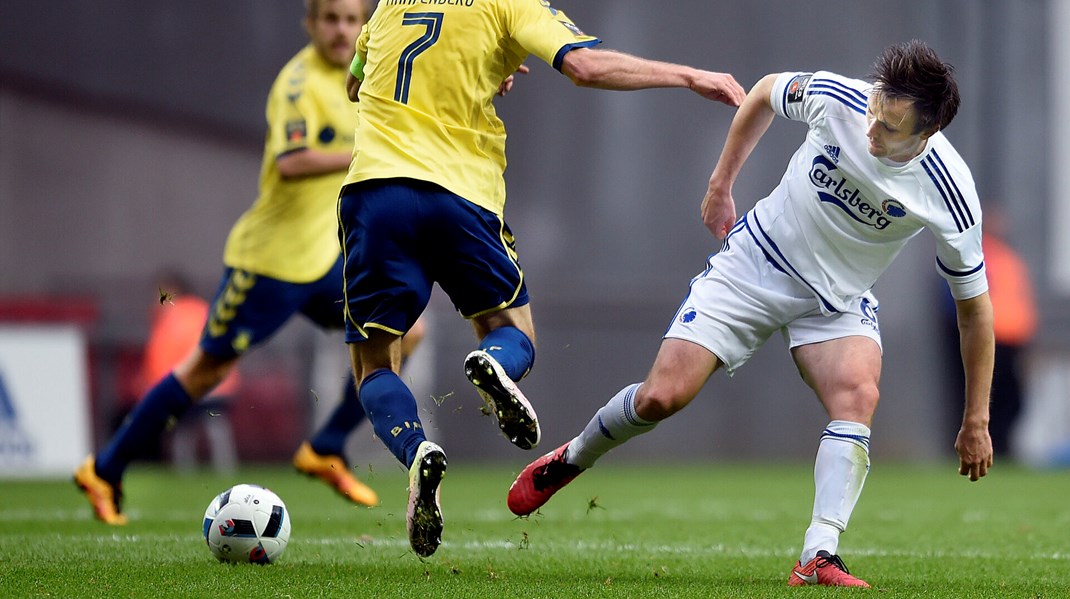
{"x":839,"y":473}
{"x":612,"y":425}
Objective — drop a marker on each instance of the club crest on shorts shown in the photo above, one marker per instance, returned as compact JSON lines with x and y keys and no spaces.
{"x":869,"y":315}
{"x":688,"y":315}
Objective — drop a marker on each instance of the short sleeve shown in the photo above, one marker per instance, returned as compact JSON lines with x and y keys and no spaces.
{"x":808,"y":97}
{"x":362,"y":44}
{"x":287,"y":122}
{"x":545,"y":31}
{"x":960,"y":261}
{"x":959,"y":251}
{"x":789,"y":94}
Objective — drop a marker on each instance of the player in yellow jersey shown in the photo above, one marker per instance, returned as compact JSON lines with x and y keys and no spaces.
{"x":282,"y":258}
{"x":425,"y":196}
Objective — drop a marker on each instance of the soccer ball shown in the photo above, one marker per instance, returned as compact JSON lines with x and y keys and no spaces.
{"x":247,"y":524}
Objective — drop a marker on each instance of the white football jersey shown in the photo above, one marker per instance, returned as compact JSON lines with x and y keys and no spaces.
{"x":840,"y":216}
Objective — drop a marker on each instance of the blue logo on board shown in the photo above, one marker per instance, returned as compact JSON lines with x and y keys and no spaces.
{"x":15,"y":445}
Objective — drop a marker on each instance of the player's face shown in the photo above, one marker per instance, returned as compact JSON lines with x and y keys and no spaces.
{"x":891,"y":129}
{"x":334,"y":31}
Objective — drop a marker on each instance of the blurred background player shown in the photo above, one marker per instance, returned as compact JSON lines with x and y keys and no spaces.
{"x":177,"y":320}
{"x":281,"y":258}
{"x":873,"y":171}
{"x":425,"y":198}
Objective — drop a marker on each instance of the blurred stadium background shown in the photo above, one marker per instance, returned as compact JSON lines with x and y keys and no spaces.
{"x":130,"y":140}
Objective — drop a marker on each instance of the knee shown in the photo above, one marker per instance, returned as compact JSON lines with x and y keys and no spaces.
{"x":857,"y":404}
{"x":657,"y":402}
{"x":867,"y":396}
{"x":202,"y":373}
{"x":417,"y":332}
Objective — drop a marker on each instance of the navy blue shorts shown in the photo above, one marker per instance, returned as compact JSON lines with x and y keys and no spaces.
{"x":249,"y":308}
{"x":401,"y":236}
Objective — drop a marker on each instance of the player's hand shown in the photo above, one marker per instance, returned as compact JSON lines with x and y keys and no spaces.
{"x":974,"y":446}
{"x":508,"y":83}
{"x":720,"y":87}
{"x":718,"y":211}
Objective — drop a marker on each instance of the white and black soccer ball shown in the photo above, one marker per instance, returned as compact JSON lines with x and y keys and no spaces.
{"x":247,"y":524}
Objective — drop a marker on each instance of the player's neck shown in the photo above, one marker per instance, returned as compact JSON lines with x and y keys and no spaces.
{"x":906,"y":156}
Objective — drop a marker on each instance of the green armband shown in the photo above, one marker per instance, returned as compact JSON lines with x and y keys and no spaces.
{"x":357,"y":68}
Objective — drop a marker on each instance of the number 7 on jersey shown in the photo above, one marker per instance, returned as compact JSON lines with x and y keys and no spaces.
{"x":432,"y":22}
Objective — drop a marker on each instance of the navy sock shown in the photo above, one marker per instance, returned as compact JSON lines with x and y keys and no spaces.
{"x":331,"y":438}
{"x":393,"y":413}
{"x":142,"y":429}
{"x":512,"y":349}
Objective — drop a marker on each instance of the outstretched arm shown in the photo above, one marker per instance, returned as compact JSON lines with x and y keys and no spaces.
{"x":606,"y":69}
{"x":973,"y":444}
{"x":749,"y":125}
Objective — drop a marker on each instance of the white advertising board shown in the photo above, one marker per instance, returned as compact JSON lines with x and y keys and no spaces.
{"x":44,"y":400}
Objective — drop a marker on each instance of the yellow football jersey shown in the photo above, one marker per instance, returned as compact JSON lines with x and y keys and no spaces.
{"x":291,"y":231}
{"x":431,"y":71}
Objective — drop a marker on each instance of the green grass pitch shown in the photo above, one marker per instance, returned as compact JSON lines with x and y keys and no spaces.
{"x":618,"y":531}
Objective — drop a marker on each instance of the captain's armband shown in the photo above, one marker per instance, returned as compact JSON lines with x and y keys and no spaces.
{"x":356,"y":68}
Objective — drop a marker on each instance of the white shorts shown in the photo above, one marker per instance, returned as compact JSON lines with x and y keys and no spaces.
{"x":742,"y":298}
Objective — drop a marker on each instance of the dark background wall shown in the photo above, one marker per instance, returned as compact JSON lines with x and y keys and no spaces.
{"x":130,"y":140}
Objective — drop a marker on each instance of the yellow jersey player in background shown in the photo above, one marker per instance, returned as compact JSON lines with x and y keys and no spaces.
{"x":281,"y":258}
{"x":424,"y":203}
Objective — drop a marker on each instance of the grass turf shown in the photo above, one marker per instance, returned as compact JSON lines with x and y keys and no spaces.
{"x":617,"y":531}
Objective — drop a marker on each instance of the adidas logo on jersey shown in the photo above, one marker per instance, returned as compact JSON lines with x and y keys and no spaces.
{"x":833,"y":152}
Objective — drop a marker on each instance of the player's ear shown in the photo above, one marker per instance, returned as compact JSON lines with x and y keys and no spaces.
{"x":312,"y":11}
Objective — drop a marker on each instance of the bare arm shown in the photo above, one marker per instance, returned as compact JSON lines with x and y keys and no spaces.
{"x":751,"y":122}
{"x":308,"y":162}
{"x":978,"y":346}
{"x":606,"y":69}
{"x":352,"y":87}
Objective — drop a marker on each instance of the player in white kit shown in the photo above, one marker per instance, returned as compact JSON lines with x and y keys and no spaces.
{"x":874,"y":171}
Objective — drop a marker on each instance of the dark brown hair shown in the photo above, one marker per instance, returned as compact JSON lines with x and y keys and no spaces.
{"x":912,"y":71}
